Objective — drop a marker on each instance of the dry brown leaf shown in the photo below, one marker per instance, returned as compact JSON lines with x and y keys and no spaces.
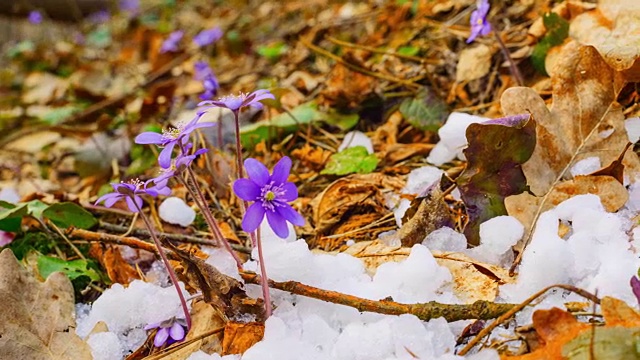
{"x":354,"y":194}
{"x":43,"y":88}
{"x":584,"y":109}
{"x":472,"y":280}
{"x":37,"y":318}
{"x":474,"y":63}
{"x":109,"y":256}
{"x":613,"y":29}
{"x":238,"y":337}
{"x":347,"y":88}
{"x":555,"y":327}
{"x":33,"y":143}
{"x":313,"y":157}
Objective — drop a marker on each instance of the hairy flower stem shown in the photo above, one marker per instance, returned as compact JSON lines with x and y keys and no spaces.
{"x":172,"y":274}
{"x":512,"y":64}
{"x":255,"y":236}
{"x":264,"y":282}
{"x":201,"y":201}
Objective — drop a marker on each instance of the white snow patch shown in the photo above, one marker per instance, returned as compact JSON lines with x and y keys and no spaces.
{"x":497,"y":236}
{"x":586,"y":166}
{"x":175,"y":211}
{"x":446,"y":239}
{"x":201,"y":355}
{"x":452,"y":138}
{"x":105,"y":346}
{"x":632,"y":126}
{"x":127,"y":310}
{"x":356,"y":138}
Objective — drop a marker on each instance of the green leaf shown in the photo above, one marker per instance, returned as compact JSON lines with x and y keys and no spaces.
{"x":68,"y":214}
{"x":408,"y":50}
{"x":425,"y":111}
{"x":73,"y":269}
{"x":11,"y":218}
{"x":497,"y":149}
{"x":557,"y":32}
{"x":288,"y":122}
{"x":57,"y":115}
{"x":273,"y":51}
{"x":99,"y":38}
{"x":351,"y":160}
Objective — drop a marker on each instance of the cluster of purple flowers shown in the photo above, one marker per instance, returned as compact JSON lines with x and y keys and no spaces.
{"x":202,"y":72}
{"x":203,"y":38}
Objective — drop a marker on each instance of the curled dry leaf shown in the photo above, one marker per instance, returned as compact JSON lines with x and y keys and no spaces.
{"x":37,"y":318}
{"x":472,"y":280}
{"x":238,"y":337}
{"x":350,"y":195}
{"x":613,"y":29}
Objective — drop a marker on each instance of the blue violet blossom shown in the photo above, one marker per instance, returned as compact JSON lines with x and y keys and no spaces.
{"x":237,"y":102}
{"x":480,"y":26}
{"x":171,"y":44}
{"x":169,"y":331}
{"x":208,"y":36}
{"x":35,"y":17}
{"x":169,"y":138}
{"x":201,"y":70}
{"x":131,"y":193}
{"x":211,"y":87}
{"x":270,"y":194}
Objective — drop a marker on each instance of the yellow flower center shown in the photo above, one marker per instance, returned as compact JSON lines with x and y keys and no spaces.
{"x":269,"y":196}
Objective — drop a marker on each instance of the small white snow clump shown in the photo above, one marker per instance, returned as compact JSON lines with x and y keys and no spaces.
{"x":356,"y":138}
{"x":586,"y":166}
{"x":175,"y":211}
{"x":105,"y":346}
{"x":632,"y":126}
{"x":497,"y":236}
{"x":452,"y":138}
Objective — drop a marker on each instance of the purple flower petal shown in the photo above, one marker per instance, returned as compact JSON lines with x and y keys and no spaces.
{"x":161,"y":337}
{"x":149,"y":137}
{"x":152,"y":326}
{"x":253,"y":217}
{"x":277,"y":224}
{"x":290,"y":214}
{"x":35,"y":17}
{"x":131,"y":204}
{"x":257,"y":172}
{"x":176,"y":332}
{"x":164,"y":159}
{"x":281,"y":171}
{"x":635,"y":287}
{"x":263,"y":94}
{"x":112,"y":200}
{"x":208,"y":36}
{"x":246,"y":189}
{"x":108,"y":197}
{"x":290,"y":192}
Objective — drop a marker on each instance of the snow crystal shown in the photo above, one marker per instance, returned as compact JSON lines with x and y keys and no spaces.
{"x":356,"y":138}
{"x":105,"y":346}
{"x":175,"y":211}
{"x":633,"y":129}
{"x":445,"y":239}
{"x":497,"y":236}
{"x":126,"y":310}
{"x":586,"y":166}
{"x":452,"y":138}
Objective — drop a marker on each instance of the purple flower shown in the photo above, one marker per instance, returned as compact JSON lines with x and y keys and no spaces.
{"x":131,"y":192}
{"x":236,"y":102}
{"x":169,"y":138}
{"x":208,"y":36}
{"x":211,"y":87}
{"x":35,"y":17}
{"x":270,"y":194}
{"x":99,"y":17}
{"x":635,"y":287}
{"x":130,"y":6}
{"x":172,"y":42}
{"x":181,"y":163}
{"x":201,"y":70}
{"x":479,"y":23}
{"x":169,"y":331}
